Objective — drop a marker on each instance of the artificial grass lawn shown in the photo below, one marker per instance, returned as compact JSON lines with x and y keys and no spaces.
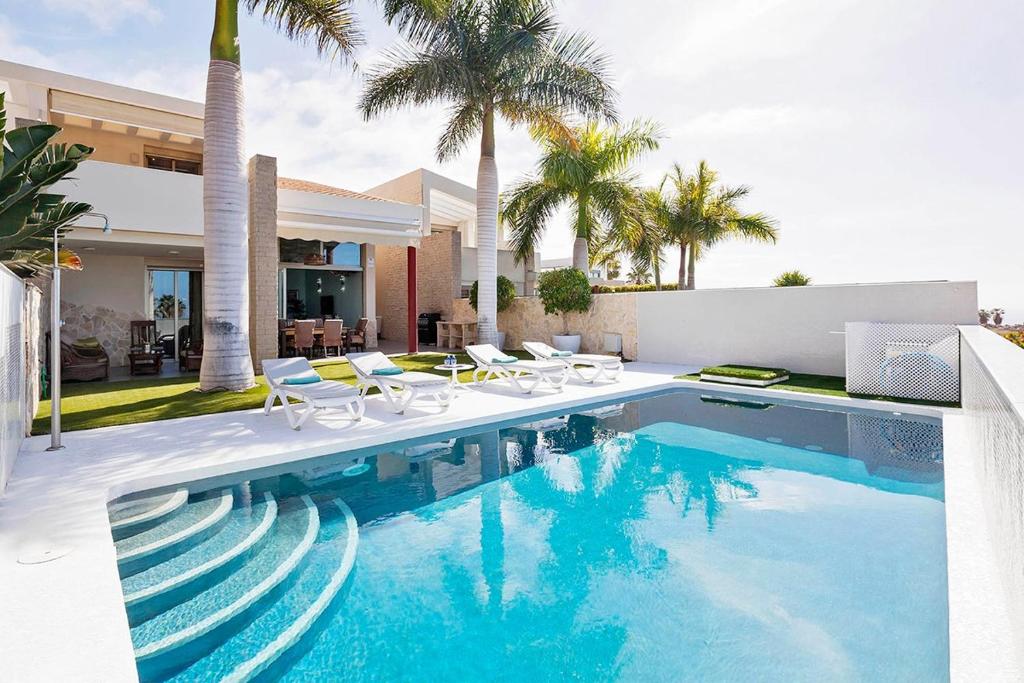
{"x":829,"y":386}
{"x":87,"y":405}
{"x":744,"y":372}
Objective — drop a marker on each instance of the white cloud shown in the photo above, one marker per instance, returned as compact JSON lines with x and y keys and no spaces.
{"x":760,"y":120}
{"x":106,"y":15}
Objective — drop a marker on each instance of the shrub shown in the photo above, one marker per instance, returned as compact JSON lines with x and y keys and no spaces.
{"x":564,"y":290}
{"x":792,"y":278}
{"x":1015,"y":336}
{"x":506,"y":293}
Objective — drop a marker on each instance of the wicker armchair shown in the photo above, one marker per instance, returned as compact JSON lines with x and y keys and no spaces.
{"x":82,"y":366}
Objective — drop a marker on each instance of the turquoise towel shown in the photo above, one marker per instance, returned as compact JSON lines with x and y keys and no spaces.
{"x":561,"y":354}
{"x":387,"y":371}
{"x":504,"y":359}
{"x":309,"y":377}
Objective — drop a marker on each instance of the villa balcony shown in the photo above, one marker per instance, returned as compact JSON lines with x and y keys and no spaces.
{"x":140,"y":199}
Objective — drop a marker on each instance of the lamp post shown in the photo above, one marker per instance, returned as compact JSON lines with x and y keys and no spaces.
{"x":55,"y":324}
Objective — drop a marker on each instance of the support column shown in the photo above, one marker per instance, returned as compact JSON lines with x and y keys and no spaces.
{"x":411,"y":299}
{"x":264,"y":257}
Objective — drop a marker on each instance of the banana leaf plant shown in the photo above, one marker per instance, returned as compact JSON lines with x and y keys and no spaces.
{"x":28,"y":214}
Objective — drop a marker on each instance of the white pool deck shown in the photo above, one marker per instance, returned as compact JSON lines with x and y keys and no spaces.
{"x":64,"y":620}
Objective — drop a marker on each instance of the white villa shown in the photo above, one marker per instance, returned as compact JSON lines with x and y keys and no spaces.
{"x":315,"y":250}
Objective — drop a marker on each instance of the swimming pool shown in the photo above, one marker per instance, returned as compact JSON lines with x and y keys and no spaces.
{"x":683,"y":536}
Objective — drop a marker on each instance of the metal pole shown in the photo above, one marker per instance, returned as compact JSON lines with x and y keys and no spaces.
{"x":55,"y":444}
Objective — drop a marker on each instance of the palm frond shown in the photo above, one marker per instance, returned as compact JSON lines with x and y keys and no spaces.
{"x":329,"y":25}
{"x":463,"y":124}
{"x":526,"y":209}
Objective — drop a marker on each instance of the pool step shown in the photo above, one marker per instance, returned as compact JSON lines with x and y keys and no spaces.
{"x":186,"y":632}
{"x":132,"y":516}
{"x":198,"y":521}
{"x":169,"y":583}
{"x":254,"y":649}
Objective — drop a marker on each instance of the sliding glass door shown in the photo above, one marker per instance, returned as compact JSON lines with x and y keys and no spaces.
{"x":175,"y":302}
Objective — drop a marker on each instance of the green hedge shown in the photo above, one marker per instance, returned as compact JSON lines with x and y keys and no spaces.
{"x":616,"y":289}
{"x":745,"y":372}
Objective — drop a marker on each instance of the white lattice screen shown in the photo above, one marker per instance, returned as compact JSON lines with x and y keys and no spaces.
{"x":903,"y":360}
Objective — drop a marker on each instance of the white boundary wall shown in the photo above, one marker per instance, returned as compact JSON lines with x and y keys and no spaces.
{"x":992,"y":395}
{"x":12,"y":371}
{"x":797,"y":328}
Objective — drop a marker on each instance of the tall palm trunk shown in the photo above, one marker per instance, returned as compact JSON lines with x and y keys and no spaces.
{"x":487,"y":234}
{"x":226,"y":360}
{"x":581,"y":246}
{"x":693,"y":265}
{"x":656,"y":266}
{"x":682,"y":266}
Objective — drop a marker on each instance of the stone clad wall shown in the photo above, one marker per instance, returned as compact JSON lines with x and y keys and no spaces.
{"x":112,"y":328}
{"x":263,"y":259}
{"x":525,"y":320}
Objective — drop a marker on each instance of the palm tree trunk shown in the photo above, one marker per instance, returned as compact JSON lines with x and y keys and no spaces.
{"x":693,"y":265}
{"x":580,"y":246}
{"x":682,"y":266}
{"x":226,"y":363}
{"x":487,"y":234}
{"x":656,"y":266}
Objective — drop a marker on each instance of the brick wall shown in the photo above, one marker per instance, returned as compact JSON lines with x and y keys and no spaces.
{"x":263,"y":258}
{"x":438,"y":278}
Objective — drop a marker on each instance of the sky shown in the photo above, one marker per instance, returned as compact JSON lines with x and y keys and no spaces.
{"x":884,"y":137}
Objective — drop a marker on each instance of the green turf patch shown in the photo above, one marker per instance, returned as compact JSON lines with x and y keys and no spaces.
{"x":87,"y":405}
{"x":829,"y":385}
{"x":745,"y":372}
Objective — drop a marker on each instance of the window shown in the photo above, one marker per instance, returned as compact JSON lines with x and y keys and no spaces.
{"x":174,"y":160}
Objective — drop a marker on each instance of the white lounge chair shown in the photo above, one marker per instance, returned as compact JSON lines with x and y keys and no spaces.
{"x":524,"y":375}
{"x":314,"y":392}
{"x":600,"y":366}
{"x":411,"y":383}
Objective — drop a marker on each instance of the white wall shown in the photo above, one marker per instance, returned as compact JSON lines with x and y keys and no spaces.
{"x":992,"y":394}
{"x":12,"y":372}
{"x":789,"y":327}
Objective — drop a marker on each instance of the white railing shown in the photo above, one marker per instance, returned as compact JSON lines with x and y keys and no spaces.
{"x":992,"y":395}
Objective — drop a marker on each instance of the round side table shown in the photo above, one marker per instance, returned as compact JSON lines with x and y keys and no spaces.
{"x":456,"y":369}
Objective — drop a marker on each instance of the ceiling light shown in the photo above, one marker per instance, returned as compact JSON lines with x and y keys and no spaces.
{"x":88,"y":248}
{"x":173,"y":252}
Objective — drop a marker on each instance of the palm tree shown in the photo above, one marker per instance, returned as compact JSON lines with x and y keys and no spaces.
{"x":792,"y":278}
{"x":330,"y":26}
{"x":587,"y":168}
{"x":639,"y":275}
{"x":487,"y":58}
{"x":700,"y":215}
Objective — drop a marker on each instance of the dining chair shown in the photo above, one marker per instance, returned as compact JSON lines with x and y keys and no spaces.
{"x":305,"y":337}
{"x":358,"y":337}
{"x":333,"y":335}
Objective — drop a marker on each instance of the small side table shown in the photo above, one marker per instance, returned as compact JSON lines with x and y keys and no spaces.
{"x":456,"y":369}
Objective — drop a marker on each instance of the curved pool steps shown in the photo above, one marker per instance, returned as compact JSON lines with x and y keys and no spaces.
{"x":169,"y":583}
{"x":254,"y":649}
{"x":131,"y":517}
{"x":193,"y":525}
{"x":188,"y":631}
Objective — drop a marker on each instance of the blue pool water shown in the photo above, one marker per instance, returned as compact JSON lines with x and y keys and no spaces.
{"x":678,"y":537}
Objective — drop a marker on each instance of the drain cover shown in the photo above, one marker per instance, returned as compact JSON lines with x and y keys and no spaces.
{"x":39,"y":555}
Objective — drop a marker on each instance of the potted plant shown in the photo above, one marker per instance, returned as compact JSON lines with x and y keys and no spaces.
{"x":506,"y":295}
{"x":563,"y":291}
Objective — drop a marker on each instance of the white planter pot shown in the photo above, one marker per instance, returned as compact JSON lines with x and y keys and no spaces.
{"x":567,"y":342}
{"x":501,"y":340}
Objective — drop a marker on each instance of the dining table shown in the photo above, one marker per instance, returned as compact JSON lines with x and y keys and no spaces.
{"x":286,"y":333}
